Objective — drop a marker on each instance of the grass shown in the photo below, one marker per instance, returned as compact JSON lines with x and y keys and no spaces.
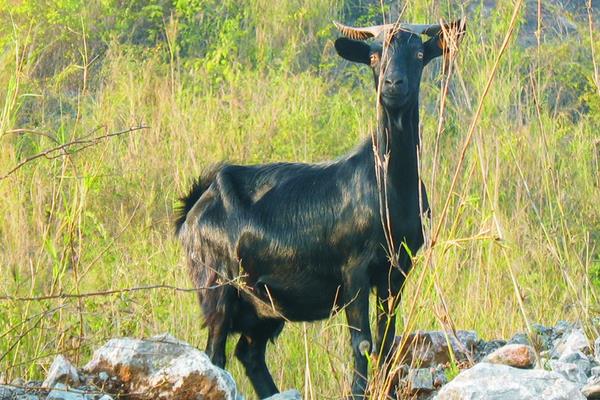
{"x":522,"y":225}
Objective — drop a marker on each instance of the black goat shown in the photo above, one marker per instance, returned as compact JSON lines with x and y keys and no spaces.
{"x":305,"y":239}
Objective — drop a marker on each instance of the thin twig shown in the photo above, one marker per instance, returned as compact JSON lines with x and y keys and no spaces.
{"x":112,"y":291}
{"x":84,"y":143}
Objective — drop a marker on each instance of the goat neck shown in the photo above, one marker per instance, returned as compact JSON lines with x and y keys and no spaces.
{"x":398,"y":140}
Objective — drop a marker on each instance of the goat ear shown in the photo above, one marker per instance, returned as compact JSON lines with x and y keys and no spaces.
{"x":440,"y":43}
{"x":353,"y":50}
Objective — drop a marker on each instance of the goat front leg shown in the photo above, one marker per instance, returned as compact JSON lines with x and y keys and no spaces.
{"x":357,"y":314}
{"x":389,"y":291}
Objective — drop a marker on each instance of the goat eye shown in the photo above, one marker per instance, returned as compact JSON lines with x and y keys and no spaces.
{"x":420,"y":55}
{"x":374,"y":58}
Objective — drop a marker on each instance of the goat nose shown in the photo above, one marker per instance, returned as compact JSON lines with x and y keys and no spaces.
{"x":394,"y":81}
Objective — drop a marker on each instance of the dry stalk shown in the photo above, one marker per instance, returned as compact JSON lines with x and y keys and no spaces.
{"x":64,"y":149}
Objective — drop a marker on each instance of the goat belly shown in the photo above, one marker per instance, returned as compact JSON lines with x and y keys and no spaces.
{"x":289,"y":288}
{"x":301,"y":300}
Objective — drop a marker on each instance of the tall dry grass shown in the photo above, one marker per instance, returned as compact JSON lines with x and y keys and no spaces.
{"x":518,"y":243}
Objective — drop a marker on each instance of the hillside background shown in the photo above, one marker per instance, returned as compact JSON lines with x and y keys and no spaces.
{"x":257,"y":81}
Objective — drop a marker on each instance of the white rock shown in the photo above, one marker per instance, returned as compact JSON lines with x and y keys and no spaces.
{"x":595,"y":371}
{"x":105,"y":397}
{"x":569,"y":370}
{"x":571,"y":343}
{"x":163,"y":368}
{"x":597,"y":349}
{"x":168,"y":338}
{"x":501,"y":382}
{"x":61,"y":371}
{"x":592,"y":389}
{"x":291,"y":394}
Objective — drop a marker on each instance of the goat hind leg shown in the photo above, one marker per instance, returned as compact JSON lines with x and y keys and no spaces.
{"x":218,"y":307}
{"x":250,"y":350}
{"x":215,"y":344}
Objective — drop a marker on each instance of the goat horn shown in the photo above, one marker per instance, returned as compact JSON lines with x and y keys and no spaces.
{"x":362,"y":33}
{"x":376,"y":30}
{"x":422,"y":29}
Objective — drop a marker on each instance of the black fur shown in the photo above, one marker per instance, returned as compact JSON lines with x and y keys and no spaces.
{"x":186,"y":202}
{"x":289,"y":241}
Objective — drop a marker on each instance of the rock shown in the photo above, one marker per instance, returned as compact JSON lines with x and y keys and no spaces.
{"x":563,"y":327}
{"x":27,"y":396}
{"x":11,"y":392}
{"x":501,"y":382}
{"x":63,"y":392}
{"x":570,"y":343}
{"x":8,"y":392}
{"x":520,"y":338}
{"x":420,"y":380}
{"x":429,"y":348}
{"x":569,"y":371}
{"x":61,"y":371}
{"x":514,"y":355}
{"x":105,"y":397}
{"x":103,"y":376}
{"x":579,"y":359}
{"x":595,"y":372}
{"x":489,"y":347}
{"x":591,"y":391}
{"x":439,"y":376}
{"x":597,"y":349}
{"x":291,"y":394}
{"x":163,"y":368}
{"x":18,"y":382}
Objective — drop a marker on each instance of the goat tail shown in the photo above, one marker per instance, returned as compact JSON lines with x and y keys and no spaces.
{"x":199,"y":186}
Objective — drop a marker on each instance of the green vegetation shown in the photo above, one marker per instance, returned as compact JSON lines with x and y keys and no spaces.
{"x":259,"y":81}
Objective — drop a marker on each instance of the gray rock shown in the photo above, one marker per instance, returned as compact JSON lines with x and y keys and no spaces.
{"x":6,"y":392}
{"x":501,"y":382}
{"x":420,"y":380}
{"x":105,"y":397}
{"x":520,"y":338}
{"x":486,"y":348}
{"x":570,"y":371}
{"x":578,"y":358}
{"x":545,"y":335}
{"x":27,"y":396}
{"x":63,"y":392}
{"x":597,"y":349}
{"x":61,"y":371}
{"x":439,"y":378}
{"x":18,"y":383}
{"x":103,"y":376}
{"x":291,"y":394}
{"x":563,"y":327}
{"x":162,"y":368}
{"x":10,"y":392}
{"x":595,"y":372}
{"x":430,"y":348}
